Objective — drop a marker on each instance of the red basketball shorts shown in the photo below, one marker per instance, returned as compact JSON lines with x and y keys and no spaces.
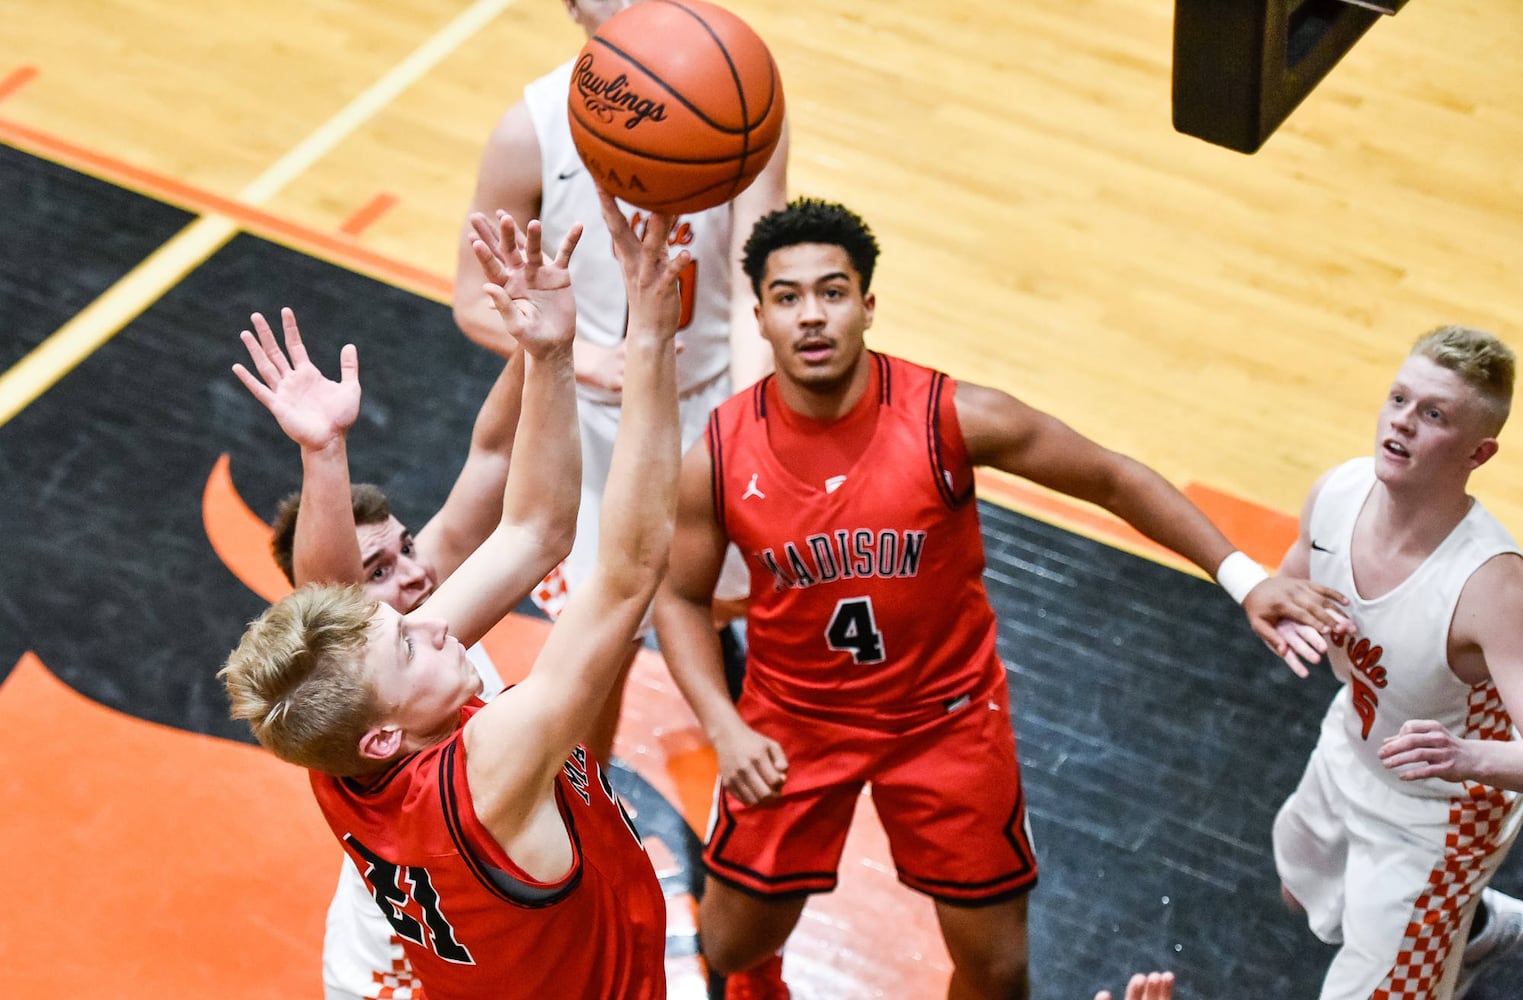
{"x":948,"y":793}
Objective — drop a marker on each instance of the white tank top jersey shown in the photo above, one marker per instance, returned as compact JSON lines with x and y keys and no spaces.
{"x":569,"y":195}
{"x":1396,"y":667}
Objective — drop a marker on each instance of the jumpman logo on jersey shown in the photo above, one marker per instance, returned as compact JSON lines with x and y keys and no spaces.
{"x":834,"y":483}
{"x":752,"y":491}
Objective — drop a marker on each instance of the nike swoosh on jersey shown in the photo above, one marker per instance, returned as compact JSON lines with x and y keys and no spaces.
{"x":566,"y":175}
{"x":1319,"y":548}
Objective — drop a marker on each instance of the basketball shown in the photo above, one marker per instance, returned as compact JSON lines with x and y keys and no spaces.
{"x":675,"y":105}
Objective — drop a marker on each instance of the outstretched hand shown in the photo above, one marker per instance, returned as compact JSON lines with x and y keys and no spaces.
{"x":1291,"y":600}
{"x":651,"y":271}
{"x":532,"y":295}
{"x":1153,"y":986}
{"x":311,"y":408}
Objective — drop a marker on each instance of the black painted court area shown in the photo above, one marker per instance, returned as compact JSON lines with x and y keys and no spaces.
{"x":1157,"y":737}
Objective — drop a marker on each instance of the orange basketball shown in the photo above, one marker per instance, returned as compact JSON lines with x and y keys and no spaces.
{"x":676,"y":105}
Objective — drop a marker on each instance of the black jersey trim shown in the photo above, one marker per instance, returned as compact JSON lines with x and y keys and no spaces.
{"x":716,"y":469}
{"x":759,"y":397}
{"x":505,"y":885}
{"x":939,"y":471}
{"x":748,"y":879}
{"x":372,"y":784}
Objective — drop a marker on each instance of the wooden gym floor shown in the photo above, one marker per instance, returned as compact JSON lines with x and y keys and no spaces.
{"x":167,"y":168}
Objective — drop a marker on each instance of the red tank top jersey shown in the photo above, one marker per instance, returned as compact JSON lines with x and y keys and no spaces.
{"x":867,"y":594}
{"x":474,"y":925}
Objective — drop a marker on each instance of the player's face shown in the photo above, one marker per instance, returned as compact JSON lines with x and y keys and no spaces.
{"x":591,"y":14}
{"x":420,"y":674}
{"x":395,"y":573}
{"x":1431,"y":426}
{"x":813,"y":313}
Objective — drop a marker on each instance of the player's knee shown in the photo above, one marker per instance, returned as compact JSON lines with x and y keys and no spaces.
{"x":1000,"y":975}
{"x":727,"y":954}
{"x":1291,"y":902}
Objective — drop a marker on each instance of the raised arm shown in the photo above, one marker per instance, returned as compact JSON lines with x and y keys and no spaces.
{"x":750,"y":357}
{"x":751,"y":766}
{"x":316,"y":413}
{"x":1006,"y":434}
{"x":517,"y":744}
{"x":1485,"y":641}
{"x":507,"y":180}
{"x":474,"y":505}
{"x":533,"y":297}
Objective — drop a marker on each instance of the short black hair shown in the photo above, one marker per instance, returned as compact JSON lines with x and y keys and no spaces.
{"x":810,"y":220}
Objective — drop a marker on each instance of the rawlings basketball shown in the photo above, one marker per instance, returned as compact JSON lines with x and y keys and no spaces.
{"x":675,"y":105}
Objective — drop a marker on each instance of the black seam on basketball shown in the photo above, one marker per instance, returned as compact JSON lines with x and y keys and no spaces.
{"x":740,"y":93}
{"x":664,"y":157}
{"x":744,"y":130}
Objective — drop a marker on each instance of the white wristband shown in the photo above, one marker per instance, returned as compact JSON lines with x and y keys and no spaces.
{"x":1238,"y":575}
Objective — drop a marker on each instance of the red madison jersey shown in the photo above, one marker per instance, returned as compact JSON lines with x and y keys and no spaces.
{"x":474,"y":925}
{"x":867,"y":594}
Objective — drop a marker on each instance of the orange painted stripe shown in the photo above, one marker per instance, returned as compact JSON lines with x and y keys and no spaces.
{"x":1262,"y":533}
{"x":15,"y":80}
{"x":322,"y":245}
{"x":367,"y":214}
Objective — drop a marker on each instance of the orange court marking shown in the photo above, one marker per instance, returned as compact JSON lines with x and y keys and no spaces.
{"x":368,"y":213}
{"x":15,"y":80}
{"x":321,"y":245}
{"x":1262,"y":533}
{"x":159,"y":863}
{"x":240,"y":537}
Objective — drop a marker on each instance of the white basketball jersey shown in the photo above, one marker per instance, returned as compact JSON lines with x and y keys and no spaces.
{"x":569,"y":195}
{"x":1397,"y":664}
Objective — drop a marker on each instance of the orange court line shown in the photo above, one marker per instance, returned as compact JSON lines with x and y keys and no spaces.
{"x":15,"y":80}
{"x":298,"y":237}
{"x":368,"y":213}
{"x":1262,"y":533}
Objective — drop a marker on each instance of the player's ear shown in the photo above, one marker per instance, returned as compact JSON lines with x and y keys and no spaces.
{"x":869,"y":303}
{"x":1483,"y":452}
{"x":380,"y":743}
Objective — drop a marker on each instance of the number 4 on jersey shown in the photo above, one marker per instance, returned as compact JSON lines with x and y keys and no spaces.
{"x":854,"y":630}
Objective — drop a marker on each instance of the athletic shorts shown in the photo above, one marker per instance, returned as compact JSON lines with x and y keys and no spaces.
{"x":948,"y":793}
{"x":1394,"y":879}
{"x":599,"y":425}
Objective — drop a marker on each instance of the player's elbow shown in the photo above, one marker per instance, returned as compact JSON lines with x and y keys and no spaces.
{"x":557,"y":538}
{"x":634,"y":572}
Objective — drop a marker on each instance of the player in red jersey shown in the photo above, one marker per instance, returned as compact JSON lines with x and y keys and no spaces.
{"x":488,"y":835}
{"x":846,"y":480}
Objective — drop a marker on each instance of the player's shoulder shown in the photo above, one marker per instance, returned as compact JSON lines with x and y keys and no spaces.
{"x":1491,"y":601}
